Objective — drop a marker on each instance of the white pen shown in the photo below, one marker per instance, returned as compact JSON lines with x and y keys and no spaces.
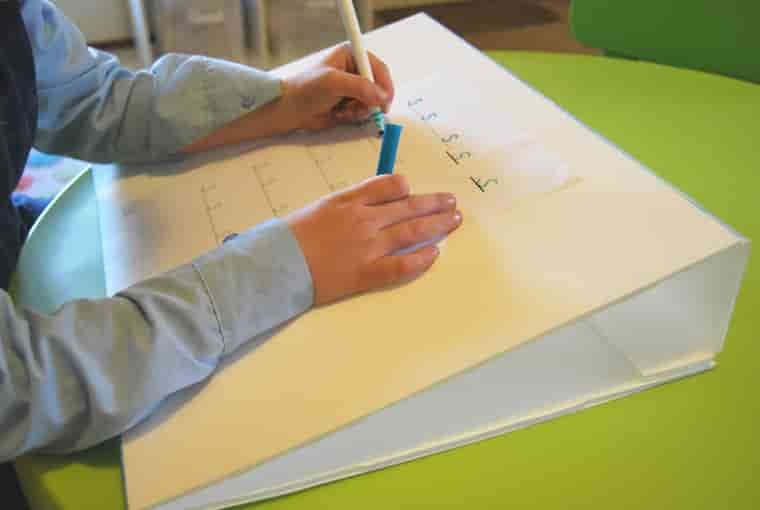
{"x":351,"y":25}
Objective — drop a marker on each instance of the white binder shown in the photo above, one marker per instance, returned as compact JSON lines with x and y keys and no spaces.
{"x":577,"y":277}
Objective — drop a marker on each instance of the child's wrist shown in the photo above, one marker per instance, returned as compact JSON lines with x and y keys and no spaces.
{"x":288,"y":116}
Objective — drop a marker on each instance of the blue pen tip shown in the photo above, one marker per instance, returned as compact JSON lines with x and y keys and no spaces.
{"x":379,"y":119}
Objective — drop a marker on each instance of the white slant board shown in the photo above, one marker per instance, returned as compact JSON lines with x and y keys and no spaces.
{"x":577,"y":276}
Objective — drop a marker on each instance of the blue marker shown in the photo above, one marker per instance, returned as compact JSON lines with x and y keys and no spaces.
{"x":379,"y":119}
{"x":361,"y":58}
{"x":388,"y":149}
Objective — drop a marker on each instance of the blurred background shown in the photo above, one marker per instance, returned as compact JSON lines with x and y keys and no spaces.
{"x":267,"y":33}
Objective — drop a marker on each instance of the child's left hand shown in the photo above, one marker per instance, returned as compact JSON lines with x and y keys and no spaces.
{"x":332,"y":92}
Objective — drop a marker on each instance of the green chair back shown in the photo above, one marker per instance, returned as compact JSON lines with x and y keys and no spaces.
{"x":718,"y":36}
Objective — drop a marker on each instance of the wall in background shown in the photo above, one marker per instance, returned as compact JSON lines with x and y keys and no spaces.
{"x":100,"y":20}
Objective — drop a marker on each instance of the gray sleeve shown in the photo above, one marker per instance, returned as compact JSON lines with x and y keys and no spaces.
{"x":96,"y":367}
{"x":92,"y":108}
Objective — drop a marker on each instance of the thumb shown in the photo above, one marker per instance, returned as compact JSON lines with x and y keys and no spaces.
{"x":359,"y":88}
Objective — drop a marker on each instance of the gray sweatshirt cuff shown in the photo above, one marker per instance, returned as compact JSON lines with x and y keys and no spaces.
{"x":256,"y":281}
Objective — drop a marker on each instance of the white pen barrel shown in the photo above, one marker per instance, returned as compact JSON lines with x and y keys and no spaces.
{"x":351,"y":25}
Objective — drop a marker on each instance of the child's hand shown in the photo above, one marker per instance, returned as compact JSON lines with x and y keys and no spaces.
{"x":333,"y":92}
{"x":325,"y":95}
{"x":349,"y":237}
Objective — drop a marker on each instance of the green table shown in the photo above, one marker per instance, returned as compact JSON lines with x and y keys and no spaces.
{"x":691,"y":444}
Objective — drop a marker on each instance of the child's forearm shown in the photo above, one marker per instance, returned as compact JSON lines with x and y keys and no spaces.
{"x":270,"y":119}
{"x":313,"y":99}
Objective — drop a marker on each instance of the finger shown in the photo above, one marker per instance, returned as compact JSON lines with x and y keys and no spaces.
{"x":343,"y":105}
{"x":340,"y":57}
{"x":323,"y":122}
{"x":342,"y":84}
{"x":396,"y":269}
{"x":352,"y":111}
{"x":358,"y":110}
{"x":351,"y":118}
{"x":383,"y":79}
{"x":378,"y":190}
{"x":418,"y":230}
{"x":414,"y":206}
{"x":343,"y":116}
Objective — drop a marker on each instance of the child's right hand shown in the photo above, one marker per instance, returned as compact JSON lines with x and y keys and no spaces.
{"x":349,"y":238}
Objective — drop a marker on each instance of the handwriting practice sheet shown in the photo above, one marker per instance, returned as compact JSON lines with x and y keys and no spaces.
{"x":449,"y":143}
{"x":552,"y":212}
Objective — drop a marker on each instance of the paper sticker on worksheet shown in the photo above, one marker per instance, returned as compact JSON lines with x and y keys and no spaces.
{"x":494,"y":162}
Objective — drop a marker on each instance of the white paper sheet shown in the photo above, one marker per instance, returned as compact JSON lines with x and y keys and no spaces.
{"x":552,"y":212}
{"x":450,"y":142}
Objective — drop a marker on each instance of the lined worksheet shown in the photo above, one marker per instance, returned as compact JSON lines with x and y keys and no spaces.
{"x":157,"y":217}
{"x":559,"y":225}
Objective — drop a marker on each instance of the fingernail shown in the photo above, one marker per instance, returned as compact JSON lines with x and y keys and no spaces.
{"x":457,"y":217}
{"x":383,"y":95}
{"x":449,"y":199}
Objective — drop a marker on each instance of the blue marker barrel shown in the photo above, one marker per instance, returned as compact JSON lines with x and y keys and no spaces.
{"x":388,"y":149}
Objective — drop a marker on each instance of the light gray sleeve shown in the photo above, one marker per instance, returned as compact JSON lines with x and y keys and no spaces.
{"x":95,"y":368}
{"x":92,"y":108}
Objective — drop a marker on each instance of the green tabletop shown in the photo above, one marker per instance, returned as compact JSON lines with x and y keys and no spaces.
{"x":690,"y":444}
